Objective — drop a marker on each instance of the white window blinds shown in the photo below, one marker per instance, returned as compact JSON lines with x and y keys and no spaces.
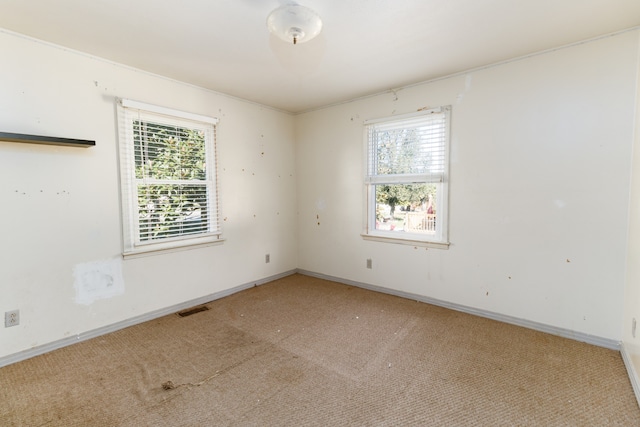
{"x":168,"y":165}
{"x":406,"y":179}
{"x":408,"y":148}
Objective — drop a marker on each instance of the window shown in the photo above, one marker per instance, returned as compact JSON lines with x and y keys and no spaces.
{"x":406,"y":178}
{"x":168,"y":178}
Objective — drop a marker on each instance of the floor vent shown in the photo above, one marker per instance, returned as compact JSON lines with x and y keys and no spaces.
{"x":191,"y":311}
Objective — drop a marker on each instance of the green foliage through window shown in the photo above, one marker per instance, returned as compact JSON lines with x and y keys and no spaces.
{"x":403,"y":151}
{"x":406,"y":181}
{"x":171,"y":176}
{"x":407,"y":196}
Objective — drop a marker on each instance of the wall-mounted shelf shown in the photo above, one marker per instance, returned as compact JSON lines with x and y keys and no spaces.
{"x":48,"y":140}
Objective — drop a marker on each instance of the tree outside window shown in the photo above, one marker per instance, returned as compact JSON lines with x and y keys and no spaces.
{"x":406,"y":178}
{"x":168,"y":178}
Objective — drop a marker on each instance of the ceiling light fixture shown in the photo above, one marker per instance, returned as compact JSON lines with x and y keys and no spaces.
{"x":294,"y":23}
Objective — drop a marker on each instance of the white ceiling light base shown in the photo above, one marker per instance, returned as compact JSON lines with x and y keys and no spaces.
{"x":294,"y":23}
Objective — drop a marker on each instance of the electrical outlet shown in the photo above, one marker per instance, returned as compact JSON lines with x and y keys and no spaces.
{"x":267,"y":258}
{"x":369,"y":263}
{"x":11,"y":318}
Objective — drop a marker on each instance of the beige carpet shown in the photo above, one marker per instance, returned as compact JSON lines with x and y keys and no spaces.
{"x":301,"y":351}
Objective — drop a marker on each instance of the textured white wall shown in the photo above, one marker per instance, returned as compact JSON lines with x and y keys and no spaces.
{"x":540,"y":169}
{"x":60,"y":206}
{"x":632,"y":284}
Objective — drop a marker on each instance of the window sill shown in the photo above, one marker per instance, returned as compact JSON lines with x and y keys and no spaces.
{"x":410,"y":242}
{"x":158,"y":250}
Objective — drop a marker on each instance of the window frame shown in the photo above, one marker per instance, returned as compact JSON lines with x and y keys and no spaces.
{"x":133,"y":246}
{"x":440,"y":239}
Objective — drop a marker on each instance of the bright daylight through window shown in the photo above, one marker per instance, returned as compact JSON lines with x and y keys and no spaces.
{"x":168,"y":176}
{"x":406,"y":181}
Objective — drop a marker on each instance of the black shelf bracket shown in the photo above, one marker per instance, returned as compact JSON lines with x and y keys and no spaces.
{"x":47,"y":140}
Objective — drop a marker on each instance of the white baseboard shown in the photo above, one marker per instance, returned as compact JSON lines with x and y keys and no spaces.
{"x":553,"y":330}
{"x":631,"y":370}
{"x":84,"y":336}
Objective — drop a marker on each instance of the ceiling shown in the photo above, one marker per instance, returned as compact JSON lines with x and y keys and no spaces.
{"x":365,"y":47}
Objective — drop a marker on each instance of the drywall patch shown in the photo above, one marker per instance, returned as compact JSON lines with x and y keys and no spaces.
{"x":559,"y":203}
{"x":98,"y":280}
{"x":467,"y":87}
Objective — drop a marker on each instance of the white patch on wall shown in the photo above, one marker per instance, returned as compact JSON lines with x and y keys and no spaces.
{"x":98,"y":280}
{"x":467,"y":87}
{"x":559,"y":204}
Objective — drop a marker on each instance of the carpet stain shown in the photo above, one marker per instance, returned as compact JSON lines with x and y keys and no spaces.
{"x":169,"y":385}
